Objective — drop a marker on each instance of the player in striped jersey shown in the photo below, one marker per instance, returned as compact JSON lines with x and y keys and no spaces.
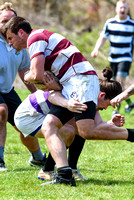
{"x":120,"y":31}
{"x":51,"y":51}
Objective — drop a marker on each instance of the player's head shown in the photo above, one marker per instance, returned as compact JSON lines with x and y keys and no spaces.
{"x":122,"y":9}
{"x":17,"y":31}
{"x":111,"y":87}
{"x":108,"y":89}
{"x":6,"y":13}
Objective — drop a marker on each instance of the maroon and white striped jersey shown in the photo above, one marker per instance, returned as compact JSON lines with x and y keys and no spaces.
{"x":61,"y":57}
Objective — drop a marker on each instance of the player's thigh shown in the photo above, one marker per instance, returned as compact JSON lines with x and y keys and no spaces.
{"x":12,"y":100}
{"x":67,"y":132}
{"x":85,"y":120}
{"x":86,"y":128}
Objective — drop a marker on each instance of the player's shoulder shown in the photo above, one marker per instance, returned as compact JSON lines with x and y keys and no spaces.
{"x":38,"y":35}
{"x":111,"y":20}
{"x":131,"y":21}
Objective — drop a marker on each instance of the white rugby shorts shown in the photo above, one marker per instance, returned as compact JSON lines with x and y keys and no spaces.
{"x":27,"y":119}
{"x":82,"y":87}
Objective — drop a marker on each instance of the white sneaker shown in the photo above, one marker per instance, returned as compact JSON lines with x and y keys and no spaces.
{"x":2,"y":166}
{"x":78,"y":176}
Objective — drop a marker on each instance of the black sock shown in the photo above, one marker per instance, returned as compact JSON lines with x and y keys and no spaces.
{"x":50,"y":163}
{"x":75,"y":151}
{"x":65,"y":172}
{"x":130,"y":135}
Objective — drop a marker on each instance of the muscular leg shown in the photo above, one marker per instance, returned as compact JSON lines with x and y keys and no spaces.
{"x":67,"y":133}
{"x":54,"y":140}
{"x":30,"y":142}
{"x":86,"y":129}
{"x":102,"y":131}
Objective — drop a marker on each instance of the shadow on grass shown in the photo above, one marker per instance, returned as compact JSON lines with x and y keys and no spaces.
{"x":107,"y":182}
{"x":22,"y":169}
{"x":11,"y":152}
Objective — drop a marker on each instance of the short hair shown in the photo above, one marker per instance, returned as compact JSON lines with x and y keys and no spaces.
{"x":16,"y":23}
{"x":8,"y":6}
{"x":122,"y":1}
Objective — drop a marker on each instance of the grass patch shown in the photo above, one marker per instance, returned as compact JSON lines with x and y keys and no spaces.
{"x":108,"y":165}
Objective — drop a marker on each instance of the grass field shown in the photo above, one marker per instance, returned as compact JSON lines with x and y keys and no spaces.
{"x":108,"y":165}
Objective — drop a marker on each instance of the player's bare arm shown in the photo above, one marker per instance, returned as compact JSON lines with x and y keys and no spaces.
{"x":36,"y":72}
{"x":123,"y":96}
{"x":73,"y":105}
{"x":117,"y":120}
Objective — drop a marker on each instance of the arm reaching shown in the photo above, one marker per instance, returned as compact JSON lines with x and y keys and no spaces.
{"x":98,"y":45}
{"x":73,"y":105}
{"x":117,"y":120}
{"x":123,"y":96}
{"x":51,"y":81}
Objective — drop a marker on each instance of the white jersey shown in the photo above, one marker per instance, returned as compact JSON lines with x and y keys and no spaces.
{"x":31,"y":113}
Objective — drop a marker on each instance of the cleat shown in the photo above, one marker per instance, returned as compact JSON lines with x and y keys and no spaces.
{"x":37,"y":163}
{"x":78,"y":176}
{"x":2,"y":166}
{"x":47,"y":175}
{"x":128,"y":108}
{"x":58,"y":180}
{"x":115,"y":112}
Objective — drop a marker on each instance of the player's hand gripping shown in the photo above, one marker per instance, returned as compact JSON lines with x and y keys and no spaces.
{"x":75,"y":106}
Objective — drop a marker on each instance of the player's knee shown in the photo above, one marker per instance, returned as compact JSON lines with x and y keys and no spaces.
{"x":3,"y":113}
{"x":50,"y":126}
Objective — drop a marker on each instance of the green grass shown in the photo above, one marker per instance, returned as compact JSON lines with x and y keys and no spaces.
{"x":108,"y":165}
